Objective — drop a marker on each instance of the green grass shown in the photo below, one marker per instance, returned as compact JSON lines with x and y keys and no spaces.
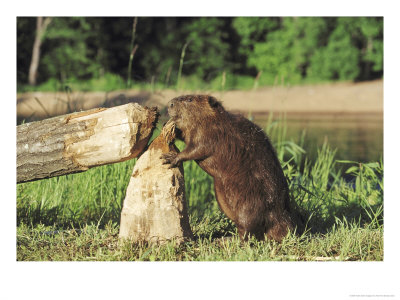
{"x":345,"y":242}
{"x":76,"y":217}
{"x":110,"y":82}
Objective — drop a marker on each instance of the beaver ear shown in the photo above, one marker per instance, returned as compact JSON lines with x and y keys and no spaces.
{"x":213,"y":102}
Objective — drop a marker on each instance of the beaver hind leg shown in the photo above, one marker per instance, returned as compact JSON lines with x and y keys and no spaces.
{"x":253,"y":227}
{"x":278,"y":227}
{"x":246,"y":234}
{"x":275,"y":227}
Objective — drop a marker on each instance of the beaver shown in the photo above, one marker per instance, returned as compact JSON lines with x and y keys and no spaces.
{"x":249,"y":183}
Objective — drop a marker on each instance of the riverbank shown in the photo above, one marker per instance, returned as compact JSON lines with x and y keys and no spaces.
{"x":332,"y":98}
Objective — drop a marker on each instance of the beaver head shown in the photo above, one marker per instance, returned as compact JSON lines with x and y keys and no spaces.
{"x":188,"y":110}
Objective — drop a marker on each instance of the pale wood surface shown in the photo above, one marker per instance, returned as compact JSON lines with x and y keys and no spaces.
{"x":79,"y":141}
{"x":154,"y":208}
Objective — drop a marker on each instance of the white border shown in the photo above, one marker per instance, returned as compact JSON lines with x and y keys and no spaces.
{"x":264,"y":280}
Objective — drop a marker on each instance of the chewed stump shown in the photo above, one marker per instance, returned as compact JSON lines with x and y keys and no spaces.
{"x":154,"y":208}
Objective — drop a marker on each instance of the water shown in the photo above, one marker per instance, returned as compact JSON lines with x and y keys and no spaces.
{"x":357,"y":137}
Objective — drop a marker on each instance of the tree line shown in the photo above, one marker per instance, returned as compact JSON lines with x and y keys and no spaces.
{"x":161,"y":49}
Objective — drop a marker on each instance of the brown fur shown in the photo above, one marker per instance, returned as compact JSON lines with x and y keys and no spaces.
{"x":250,"y":186}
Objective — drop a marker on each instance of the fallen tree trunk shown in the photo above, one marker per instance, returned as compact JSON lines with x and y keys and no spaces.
{"x":76,"y":142}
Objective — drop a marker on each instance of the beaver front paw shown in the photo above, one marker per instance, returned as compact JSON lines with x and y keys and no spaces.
{"x":170,"y":158}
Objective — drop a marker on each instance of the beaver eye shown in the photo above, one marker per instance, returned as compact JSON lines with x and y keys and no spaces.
{"x":189,"y":99}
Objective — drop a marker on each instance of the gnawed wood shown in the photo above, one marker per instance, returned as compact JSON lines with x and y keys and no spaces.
{"x":155,"y":206}
{"x":79,"y":141}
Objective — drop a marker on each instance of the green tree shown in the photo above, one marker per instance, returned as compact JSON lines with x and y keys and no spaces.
{"x":340,"y":58}
{"x":67,"y":53}
{"x":207,"y":54}
{"x":25,"y":36}
{"x":372,"y":45}
{"x":289,"y":48}
{"x":281,"y":48}
{"x":160,"y":41}
{"x":253,"y":31}
{"x":354,"y":49}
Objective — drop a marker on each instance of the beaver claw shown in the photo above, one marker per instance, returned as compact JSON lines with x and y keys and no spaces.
{"x":170,"y":158}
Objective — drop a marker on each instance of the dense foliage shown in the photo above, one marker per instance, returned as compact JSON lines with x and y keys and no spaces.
{"x":288,"y":49}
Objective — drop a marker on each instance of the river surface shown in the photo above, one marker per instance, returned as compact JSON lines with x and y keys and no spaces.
{"x":357,"y":137}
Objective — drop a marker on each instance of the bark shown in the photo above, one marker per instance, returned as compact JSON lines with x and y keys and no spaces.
{"x":79,"y":141}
